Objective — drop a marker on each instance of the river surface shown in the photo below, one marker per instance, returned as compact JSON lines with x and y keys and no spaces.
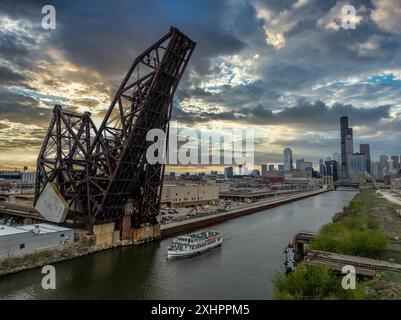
{"x":242,"y":268}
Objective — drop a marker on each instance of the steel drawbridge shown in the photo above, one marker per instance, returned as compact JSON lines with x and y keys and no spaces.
{"x":97,"y":170}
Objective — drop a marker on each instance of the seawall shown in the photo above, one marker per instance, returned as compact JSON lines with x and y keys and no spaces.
{"x":184,"y":226}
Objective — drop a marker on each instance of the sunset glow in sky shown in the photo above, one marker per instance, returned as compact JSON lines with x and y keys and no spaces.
{"x":286,"y":68}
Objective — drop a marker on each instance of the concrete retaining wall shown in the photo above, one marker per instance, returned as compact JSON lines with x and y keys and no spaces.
{"x":180,"y":227}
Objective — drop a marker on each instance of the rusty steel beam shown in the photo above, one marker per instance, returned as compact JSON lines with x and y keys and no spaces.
{"x":98,"y":170}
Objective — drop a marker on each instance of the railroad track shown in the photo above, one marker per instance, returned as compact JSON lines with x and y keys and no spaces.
{"x":375,"y":265}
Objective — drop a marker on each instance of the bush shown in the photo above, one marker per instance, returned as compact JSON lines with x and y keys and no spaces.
{"x":316,"y":282}
{"x":354,"y":231}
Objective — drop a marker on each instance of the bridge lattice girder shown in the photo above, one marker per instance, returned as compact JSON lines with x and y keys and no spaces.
{"x":98,"y":170}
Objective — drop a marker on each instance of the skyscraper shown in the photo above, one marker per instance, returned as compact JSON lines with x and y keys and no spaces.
{"x":322,"y":169}
{"x":307,"y":164}
{"x":365,"y":149}
{"x":264,"y":170}
{"x":331,"y":169}
{"x":336,"y":157}
{"x":287,"y":159}
{"x":347,"y":147}
{"x":396,"y":162}
{"x":299,"y":164}
{"x":358,"y":164}
{"x":383,"y":166}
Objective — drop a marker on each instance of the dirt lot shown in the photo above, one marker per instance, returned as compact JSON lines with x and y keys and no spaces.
{"x":390,"y":221}
{"x":387,"y":286}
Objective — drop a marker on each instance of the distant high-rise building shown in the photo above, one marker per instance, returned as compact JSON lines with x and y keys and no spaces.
{"x":299,"y":164}
{"x":331,"y":169}
{"x":382,"y":166}
{"x":322,"y":169}
{"x":280,"y":171}
{"x":336,"y":157}
{"x":358,"y":164}
{"x":396,"y":162}
{"x":309,"y":172}
{"x":287,"y":159}
{"x":264,"y":170}
{"x":271,"y":167}
{"x":228,"y":173}
{"x":375,"y":169}
{"x":347,"y":147}
{"x":365,"y":149}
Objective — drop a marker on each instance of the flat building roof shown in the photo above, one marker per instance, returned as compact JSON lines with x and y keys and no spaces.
{"x":43,"y":228}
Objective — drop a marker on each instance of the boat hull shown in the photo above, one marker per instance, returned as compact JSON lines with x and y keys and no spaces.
{"x":173,"y":254}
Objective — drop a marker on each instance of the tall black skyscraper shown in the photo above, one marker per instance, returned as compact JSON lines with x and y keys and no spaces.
{"x":331,"y":169}
{"x":347,"y":147}
{"x":365,"y":149}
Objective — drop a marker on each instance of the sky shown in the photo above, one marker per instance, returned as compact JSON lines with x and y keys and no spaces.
{"x":285,"y":68}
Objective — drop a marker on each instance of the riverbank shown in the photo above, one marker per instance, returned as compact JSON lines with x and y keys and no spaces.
{"x":44,"y":257}
{"x":78,"y":249}
{"x":242,"y":268}
{"x":171,"y":229}
{"x":368,"y":227}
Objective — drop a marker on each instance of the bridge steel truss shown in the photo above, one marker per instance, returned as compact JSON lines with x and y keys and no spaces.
{"x":98,"y":170}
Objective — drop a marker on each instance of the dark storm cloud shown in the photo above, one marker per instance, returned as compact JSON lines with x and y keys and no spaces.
{"x":7,"y":76}
{"x":312,"y":64}
{"x":312,"y":54}
{"x":304,"y":114}
{"x":21,"y":109}
{"x":106,"y":36}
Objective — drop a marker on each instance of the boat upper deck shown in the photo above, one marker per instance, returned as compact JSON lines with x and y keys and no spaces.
{"x":198,"y":236}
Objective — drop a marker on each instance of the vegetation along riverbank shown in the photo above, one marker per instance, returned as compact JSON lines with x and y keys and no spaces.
{"x":370,"y":226}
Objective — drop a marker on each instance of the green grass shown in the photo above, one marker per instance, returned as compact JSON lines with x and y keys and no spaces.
{"x":354,"y":231}
{"x":386,"y":286}
{"x":317,"y":282}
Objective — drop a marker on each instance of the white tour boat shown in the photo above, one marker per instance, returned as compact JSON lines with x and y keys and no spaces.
{"x":194,"y":243}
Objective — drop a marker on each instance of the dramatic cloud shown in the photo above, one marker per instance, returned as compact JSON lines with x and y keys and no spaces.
{"x":303,"y":115}
{"x":387,"y":15}
{"x":286,"y":68}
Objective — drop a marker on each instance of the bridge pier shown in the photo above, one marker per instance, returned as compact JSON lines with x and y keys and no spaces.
{"x":145,"y":234}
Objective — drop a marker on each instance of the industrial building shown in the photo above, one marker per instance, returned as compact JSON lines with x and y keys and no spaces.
{"x":21,"y":240}
{"x":180,"y":196}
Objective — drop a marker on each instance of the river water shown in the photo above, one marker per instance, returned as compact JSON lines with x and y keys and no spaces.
{"x":242,"y":268}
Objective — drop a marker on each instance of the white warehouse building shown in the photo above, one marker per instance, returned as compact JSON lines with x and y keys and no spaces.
{"x":21,"y":240}
{"x":180,"y":196}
